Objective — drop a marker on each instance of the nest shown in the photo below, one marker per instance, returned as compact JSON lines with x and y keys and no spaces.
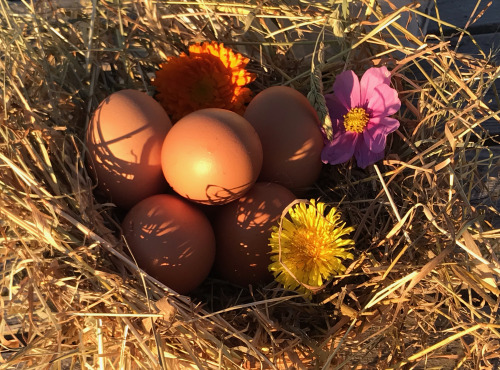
{"x":422,"y":288}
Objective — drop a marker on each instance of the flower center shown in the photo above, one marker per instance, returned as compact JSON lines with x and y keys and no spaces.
{"x":309,"y":246}
{"x":355,"y":120}
{"x":203,"y":90}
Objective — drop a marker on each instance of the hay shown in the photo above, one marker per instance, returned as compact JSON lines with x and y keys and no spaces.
{"x":422,"y":289}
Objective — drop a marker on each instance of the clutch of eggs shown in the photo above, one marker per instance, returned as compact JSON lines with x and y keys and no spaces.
{"x":211,"y":157}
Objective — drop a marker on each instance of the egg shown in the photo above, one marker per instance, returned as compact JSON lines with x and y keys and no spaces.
{"x":124,"y":139}
{"x":289,"y":130}
{"x":242,"y":231}
{"x":212,"y":156}
{"x":171,"y":240}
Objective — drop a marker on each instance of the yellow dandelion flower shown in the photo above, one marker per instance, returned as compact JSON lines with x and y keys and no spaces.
{"x":309,"y":249}
{"x":211,"y":76}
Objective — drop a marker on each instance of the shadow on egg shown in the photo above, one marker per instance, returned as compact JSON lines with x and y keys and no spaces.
{"x":218,"y":195}
{"x":125,"y":182}
{"x":254,"y":216}
{"x":162,"y":238}
{"x":171,"y":241}
{"x":307,"y":149}
{"x":300,"y":156}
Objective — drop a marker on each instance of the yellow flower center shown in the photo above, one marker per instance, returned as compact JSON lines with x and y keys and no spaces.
{"x":309,"y":246}
{"x":355,"y":120}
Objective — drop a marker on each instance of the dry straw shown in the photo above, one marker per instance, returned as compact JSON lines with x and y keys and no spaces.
{"x":422,"y":289}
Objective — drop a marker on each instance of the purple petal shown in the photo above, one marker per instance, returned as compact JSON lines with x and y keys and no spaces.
{"x":340,"y":149}
{"x":335,"y":108}
{"x":365,"y":157}
{"x":346,"y":89}
{"x":375,"y":137}
{"x":390,"y":124}
{"x":376,"y":132}
{"x":372,"y":78}
{"x":383,"y":101}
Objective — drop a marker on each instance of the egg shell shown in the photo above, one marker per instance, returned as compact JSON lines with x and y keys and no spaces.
{"x":289,"y":130}
{"x":212,"y":156}
{"x":171,"y":240}
{"x":242,"y":230}
{"x":124,"y":140}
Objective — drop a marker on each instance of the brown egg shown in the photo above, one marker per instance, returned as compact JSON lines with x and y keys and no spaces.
{"x":124,"y":140}
{"x":289,"y":130}
{"x":212,"y":156}
{"x":242,"y":230}
{"x":171,"y":240}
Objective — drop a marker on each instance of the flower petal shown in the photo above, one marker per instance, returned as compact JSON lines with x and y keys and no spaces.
{"x":211,"y":76}
{"x":375,"y":138}
{"x":390,"y":124}
{"x":335,"y":108}
{"x":365,"y":157}
{"x":383,"y":100}
{"x":340,"y":149}
{"x":376,"y":132}
{"x":346,"y":89}
{"x":372,"y":78}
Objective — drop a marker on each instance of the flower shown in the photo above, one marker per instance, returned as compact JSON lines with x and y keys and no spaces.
{"x":359,"y":112}
{"x":309,"y":247}
{"x":211,"y":76}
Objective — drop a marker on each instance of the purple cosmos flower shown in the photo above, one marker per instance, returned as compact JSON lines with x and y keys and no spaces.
{"x":359,"y":113}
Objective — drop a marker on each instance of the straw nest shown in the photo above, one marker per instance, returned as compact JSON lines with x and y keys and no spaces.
{"x":422,"y":289}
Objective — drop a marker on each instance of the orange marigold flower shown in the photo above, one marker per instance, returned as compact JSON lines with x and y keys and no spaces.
{"x":211,"y":76}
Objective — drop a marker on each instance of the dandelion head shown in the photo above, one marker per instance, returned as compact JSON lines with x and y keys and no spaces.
{"x":309,"y":247}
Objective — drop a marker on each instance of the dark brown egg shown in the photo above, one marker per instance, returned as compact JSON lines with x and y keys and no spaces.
{"x":124,"y":140}
{"x":289,"y":130}
{"x":212,"y":156}
{"x":242,"y":230}
{"x":171,"y":240}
